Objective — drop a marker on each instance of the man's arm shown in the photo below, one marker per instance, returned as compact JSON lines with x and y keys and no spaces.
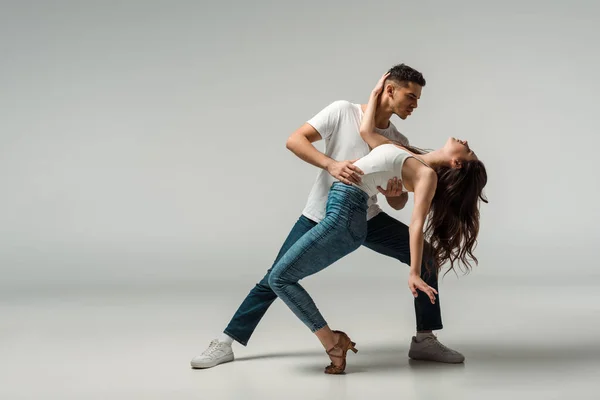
{"x":301,"y":144}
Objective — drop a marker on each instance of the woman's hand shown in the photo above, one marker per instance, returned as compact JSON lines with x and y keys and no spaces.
{"x":393,"y":188}
{"x":379,"y":87}
{"x":415,"y":282}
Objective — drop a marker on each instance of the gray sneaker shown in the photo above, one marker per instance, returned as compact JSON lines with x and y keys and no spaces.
{"x":430,"y":349}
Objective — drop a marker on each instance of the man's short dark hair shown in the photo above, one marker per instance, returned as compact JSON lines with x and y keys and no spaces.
{"x":403,"y":74}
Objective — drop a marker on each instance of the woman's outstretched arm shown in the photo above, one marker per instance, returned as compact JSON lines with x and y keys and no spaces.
{"x":424,"y":191}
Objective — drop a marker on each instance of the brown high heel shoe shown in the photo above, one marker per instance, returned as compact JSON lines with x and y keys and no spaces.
{"x":343,"y":344}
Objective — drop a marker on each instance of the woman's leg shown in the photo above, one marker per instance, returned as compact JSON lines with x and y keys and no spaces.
{"x":342,"y":231}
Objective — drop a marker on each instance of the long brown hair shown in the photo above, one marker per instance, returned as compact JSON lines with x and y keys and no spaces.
{"x":453,"y":223}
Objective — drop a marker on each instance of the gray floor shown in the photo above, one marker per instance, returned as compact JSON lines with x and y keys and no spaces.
{"x":522,"y":340}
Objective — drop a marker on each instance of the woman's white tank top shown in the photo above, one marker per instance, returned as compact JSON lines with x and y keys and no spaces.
{"x":382,"y":164}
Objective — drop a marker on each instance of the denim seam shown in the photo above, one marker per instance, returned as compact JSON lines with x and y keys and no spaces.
{"x":317,"y":327}
{"x":349,"y":223}
{"x":303,"y":311}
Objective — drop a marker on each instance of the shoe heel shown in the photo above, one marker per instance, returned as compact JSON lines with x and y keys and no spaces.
{"x":353,"y":348}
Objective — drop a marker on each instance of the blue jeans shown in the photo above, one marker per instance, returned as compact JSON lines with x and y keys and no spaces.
{"x":342,"y":231}
{"x":385,"y":235}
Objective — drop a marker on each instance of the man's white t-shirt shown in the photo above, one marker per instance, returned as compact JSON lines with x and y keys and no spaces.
{"x":339,"y":125}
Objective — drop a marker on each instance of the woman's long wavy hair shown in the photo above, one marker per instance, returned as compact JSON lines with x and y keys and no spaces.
{"x":453,"y":219}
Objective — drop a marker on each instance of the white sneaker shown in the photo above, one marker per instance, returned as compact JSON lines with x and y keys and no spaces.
{"x":217,"y":353}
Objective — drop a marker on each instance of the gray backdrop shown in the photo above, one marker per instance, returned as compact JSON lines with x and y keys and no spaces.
{"x":144,"y":142}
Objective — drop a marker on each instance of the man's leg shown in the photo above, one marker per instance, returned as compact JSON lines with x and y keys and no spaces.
{"x":252,"y":309}
{"x":390,"y":237}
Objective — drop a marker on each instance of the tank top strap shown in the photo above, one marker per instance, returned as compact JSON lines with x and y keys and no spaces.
{"x":418,"y":159}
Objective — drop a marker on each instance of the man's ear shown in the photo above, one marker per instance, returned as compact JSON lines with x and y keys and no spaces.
{"x":389,"y":89}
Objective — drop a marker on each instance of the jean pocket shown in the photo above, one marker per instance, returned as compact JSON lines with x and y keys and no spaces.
{"x":357,"y":224}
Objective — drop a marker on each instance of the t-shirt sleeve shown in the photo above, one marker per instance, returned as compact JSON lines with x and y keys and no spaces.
{"x":407,"y":142}
{"x":326,"y":120}
{"x":400,"y":137}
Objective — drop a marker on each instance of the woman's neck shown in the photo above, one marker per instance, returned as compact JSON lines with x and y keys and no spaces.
{"x":435,"y":159}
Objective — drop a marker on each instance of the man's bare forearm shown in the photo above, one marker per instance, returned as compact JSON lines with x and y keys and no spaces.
{"x":305,"y":150}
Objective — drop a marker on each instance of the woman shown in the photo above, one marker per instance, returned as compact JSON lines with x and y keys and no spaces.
{"x":447,"y":184}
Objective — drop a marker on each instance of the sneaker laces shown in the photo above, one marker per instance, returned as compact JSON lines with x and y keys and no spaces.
{"x":214,"y":345}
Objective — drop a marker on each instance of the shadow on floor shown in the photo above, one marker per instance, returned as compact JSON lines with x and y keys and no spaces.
{"x":388,"y":357}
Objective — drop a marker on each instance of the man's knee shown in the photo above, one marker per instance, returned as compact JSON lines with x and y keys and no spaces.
{"x":263,"y":287}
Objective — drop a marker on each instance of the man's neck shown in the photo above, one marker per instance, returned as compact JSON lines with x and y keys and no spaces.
{"x":382,"y":117}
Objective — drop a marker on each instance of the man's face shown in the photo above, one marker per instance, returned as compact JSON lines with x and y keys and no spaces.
{"x":403,"y":99}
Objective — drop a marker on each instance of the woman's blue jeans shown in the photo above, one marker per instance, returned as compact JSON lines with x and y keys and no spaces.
{"x":384,"y":235}
{"x":342,"y":231}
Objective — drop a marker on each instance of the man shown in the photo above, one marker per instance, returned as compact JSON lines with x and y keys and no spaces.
{"x":338,"y":124}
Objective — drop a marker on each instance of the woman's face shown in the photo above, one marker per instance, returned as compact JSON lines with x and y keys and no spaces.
{"x":458,"y":151}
